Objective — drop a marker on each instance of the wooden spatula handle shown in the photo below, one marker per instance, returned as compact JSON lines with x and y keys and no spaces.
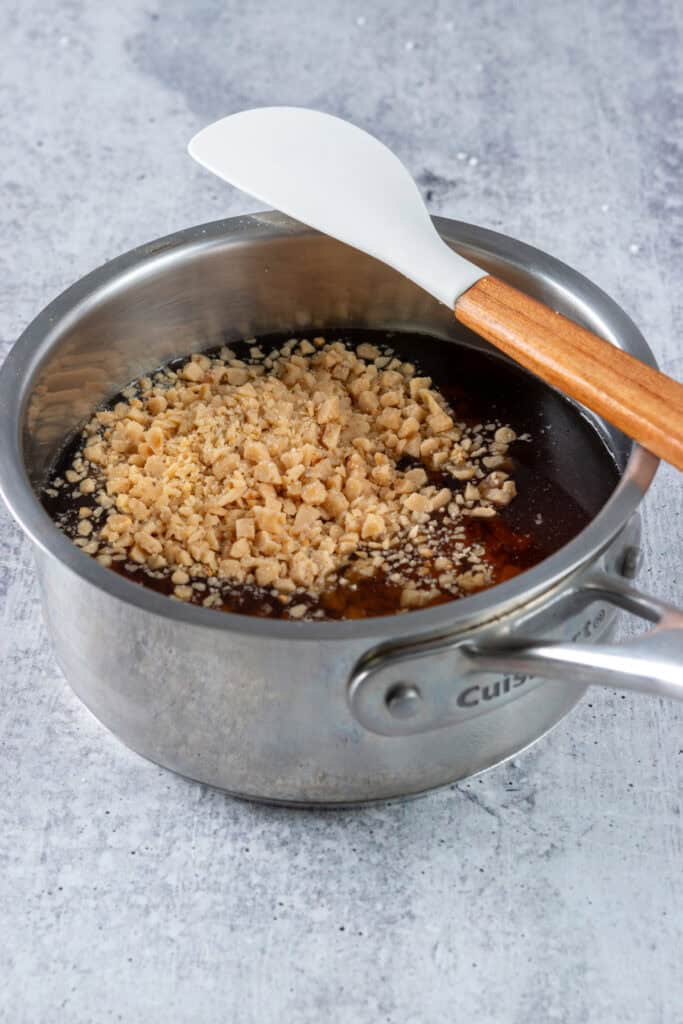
{"x":640,"y":401}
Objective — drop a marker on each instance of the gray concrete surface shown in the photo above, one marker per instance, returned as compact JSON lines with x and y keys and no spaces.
{"x":550,"y":889}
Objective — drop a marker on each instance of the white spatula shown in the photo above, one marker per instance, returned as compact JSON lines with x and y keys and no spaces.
{"x":336,"y":178}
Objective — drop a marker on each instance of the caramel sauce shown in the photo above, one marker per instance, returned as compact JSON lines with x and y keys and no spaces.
{"x":564,"y":474}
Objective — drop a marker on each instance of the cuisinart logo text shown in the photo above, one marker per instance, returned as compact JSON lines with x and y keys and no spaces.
{"x":474,"y":695}
{"x":478,"y":694}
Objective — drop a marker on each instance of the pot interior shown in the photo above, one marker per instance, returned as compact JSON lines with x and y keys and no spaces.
{"x":563,"y":470}
{"x":261,"y":275}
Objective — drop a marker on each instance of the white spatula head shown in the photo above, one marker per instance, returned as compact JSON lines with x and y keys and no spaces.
{"x":336,"y":178}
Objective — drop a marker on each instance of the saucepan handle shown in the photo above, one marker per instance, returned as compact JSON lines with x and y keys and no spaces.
{"x":651,"y":663}
{"x":411,"y":687}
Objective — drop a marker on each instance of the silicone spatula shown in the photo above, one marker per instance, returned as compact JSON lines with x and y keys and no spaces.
{"x":337,"y":178}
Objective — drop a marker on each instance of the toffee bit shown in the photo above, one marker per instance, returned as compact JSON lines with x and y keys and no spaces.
{"x":311,"y":471}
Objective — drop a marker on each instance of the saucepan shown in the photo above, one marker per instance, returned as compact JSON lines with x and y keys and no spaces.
{"x":335,"y":712}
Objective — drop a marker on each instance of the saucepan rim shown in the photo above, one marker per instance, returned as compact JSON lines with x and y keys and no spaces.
{"x":30,"y":350}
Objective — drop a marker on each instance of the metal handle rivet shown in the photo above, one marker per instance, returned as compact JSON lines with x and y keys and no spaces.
{"x":403,"y":700}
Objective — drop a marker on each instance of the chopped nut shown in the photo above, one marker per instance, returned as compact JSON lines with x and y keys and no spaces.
{"x":368,"y":352}
{"x":328,"y":410}
{"x":156,"y":404}
{"x":331,"y":435}
{"x":373,"y":526}
{"x":416,"y":503}
{"x":271,"y":473}
{"x":368,"y":402}
{"x":236,"y":376}
{"x":463,"y":472}
{"x":314,"y":493}
{"x":382,"y":474}
{"x":255,"y":451}
{"x":505,"y":435}
{"x":267,"y":473}
{"x":412,"y":598}
{"x":482,"y":512}
{"x":502,"y":495}
{"x":240,"y":549}
{"x":305,"y":518}
{"x":439,"y":422}
{"x":389,"y":419}
{"x":391,"y":398}
{"x":336,"y":503}
{"x":245,"y":528}
{"x":472,"y":580}
{"x":192,"y":372}
{"x":409,"y":427}
{"x":419,"y":384}
{"x":268,"y":519}
{"x":267,"y":571}
{"x":147,"y":543}
{"x":414,"y":479}
{"x":440,"y":499}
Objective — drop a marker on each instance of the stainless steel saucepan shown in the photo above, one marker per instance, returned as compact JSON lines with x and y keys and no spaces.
{"x":326,"y":713}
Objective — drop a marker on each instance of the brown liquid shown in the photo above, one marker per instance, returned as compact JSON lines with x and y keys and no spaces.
{"x":564,"y":475}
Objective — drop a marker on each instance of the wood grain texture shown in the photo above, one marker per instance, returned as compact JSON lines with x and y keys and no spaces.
{"x":644,"y":403}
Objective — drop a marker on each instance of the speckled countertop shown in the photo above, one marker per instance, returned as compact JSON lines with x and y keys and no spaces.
{"x":548,"y":890}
